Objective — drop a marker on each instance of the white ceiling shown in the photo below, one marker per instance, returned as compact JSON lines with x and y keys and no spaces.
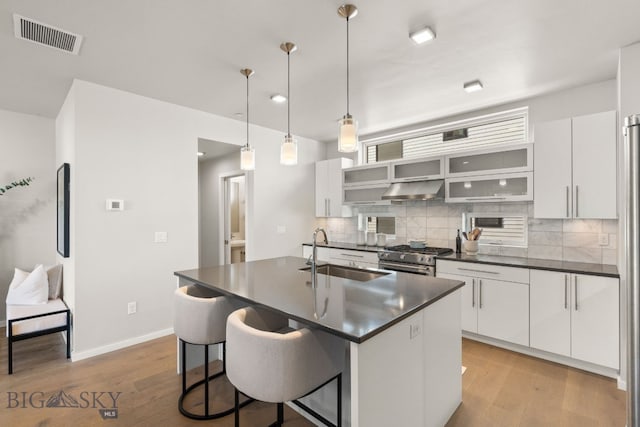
{"x":190,"y":53}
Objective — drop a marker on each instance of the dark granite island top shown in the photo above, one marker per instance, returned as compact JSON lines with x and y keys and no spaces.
{"x":350,"y":309}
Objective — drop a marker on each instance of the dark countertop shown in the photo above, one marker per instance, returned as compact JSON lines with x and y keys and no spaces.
{"x":537,"y":264}
{"x":349,"y":246}
{"x":352,"y":310}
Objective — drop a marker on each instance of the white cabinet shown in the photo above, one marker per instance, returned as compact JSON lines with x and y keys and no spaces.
{"x":490,"y":175}
{"x":365,"y":185}
{"x":414,"y":170}
{"x":351,"y":258}
{"x":508,"y":159}
{"x":377,"y":173}
{"x":495,"y":299}
{"x":329,"y":188}
{"x":575,"y":167}
{"x":576,"y":315}
{"x":490,"y":188}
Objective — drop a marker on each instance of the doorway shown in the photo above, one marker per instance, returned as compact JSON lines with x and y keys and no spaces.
{"x":235,"y":208}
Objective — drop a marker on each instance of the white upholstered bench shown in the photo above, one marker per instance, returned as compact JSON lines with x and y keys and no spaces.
{"x":26,"y":321}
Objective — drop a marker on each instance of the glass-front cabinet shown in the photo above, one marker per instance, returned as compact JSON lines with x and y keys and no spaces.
{"x":366,"y":175}
{"x":515,"y":158}
{"x":413,"y":170}
{"x":490,"y":188}
{"x":366,"y":195}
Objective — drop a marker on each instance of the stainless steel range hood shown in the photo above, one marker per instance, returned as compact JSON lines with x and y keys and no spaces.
{"x":416,"y":190}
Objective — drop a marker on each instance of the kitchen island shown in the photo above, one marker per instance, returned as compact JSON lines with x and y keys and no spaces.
{"x":403,"y":334}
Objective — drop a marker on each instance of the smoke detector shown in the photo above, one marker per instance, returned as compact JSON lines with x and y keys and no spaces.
{"x":47,"y":35}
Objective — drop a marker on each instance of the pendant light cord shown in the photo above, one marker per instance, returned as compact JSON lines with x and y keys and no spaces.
{"x":288,"y":94}
{"x":247,"y":112}
{"x":347,"y":65}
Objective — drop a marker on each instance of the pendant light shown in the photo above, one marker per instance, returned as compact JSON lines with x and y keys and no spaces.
{"x":247,"y":153}
{"x":348,"y":135}
{"x":289,"y":147}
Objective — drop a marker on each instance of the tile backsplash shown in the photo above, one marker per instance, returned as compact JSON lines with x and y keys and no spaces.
{"x":437,"y":222}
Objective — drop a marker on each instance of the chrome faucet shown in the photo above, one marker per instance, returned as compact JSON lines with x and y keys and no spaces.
{"x":313,"y":259}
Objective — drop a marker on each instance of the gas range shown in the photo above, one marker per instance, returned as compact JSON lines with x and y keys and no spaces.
{"x":411,"y":260}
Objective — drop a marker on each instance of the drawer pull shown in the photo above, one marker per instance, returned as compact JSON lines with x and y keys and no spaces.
{"x":478,"y":271}
{"x":473,"y":292}
{"x":356,"y":256}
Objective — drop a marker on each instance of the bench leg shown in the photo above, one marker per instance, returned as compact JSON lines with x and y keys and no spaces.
{"x":68,"y":335}
{"x":10,"y":347}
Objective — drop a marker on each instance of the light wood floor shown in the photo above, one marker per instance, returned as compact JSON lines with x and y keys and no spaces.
{"x":500,"y":388}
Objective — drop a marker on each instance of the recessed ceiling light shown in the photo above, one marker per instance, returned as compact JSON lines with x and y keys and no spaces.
{"x":473,"y":86}
{"x":201,"y":153}
{"x":422,"y":35}
{"x":279,"y":99}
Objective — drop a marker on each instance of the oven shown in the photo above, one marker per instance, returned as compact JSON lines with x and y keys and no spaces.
{"x":406,"y":259}
{"x":425,"y":270}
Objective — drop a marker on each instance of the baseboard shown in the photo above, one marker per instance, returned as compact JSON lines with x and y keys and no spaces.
{"x":80,"y":355}
{"x":622,"y":384}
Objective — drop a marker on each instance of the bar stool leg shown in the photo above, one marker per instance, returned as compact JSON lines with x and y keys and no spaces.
{"x":183,"y":344}
{"x":280,"y":414}
{"x":236,"y":407}
{"x":339,"y":411}
{"x":206,"y":380}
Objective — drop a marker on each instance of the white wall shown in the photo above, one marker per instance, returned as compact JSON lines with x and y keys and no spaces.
{"x":144,"y":151}
{"x":27,"y":214}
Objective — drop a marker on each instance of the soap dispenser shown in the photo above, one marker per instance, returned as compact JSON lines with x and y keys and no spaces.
{"x":458,"y":243}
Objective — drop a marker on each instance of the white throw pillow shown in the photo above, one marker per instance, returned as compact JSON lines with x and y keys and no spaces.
{"x":54,"y":276}
{"x":33,"y":289}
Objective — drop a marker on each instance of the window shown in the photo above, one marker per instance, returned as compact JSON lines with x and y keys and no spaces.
{"x":381,"y":224}
{"x":501,"y":230}
{"x":495,"y":129}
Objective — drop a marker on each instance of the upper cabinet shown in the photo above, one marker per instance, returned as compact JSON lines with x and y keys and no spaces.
{"x":575,"y":167}
{"x":329,"y":186}
{"x":421,"y":169}
{"x":377,"y":173}
{"x":490,"y":175}
{"x":509,"y":159}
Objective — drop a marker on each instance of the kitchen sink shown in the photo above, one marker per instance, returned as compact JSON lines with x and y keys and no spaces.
{"x":351,"y":273}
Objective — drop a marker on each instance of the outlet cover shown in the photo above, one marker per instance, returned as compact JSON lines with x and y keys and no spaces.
{"x":281,"y":229}
{"x":603,"y":239}
{"x":414,"y":331}
{"x":160,"y":237}
{"x":132,"y":307}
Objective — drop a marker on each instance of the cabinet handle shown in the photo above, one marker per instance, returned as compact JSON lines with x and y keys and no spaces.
{"x":567,"y":201}
{"x":471,"y":199}
{"x":480,"y":293}
{"x":351,"y":255}
{"x":473,"y":292}
{"x":478,"y":271}
{"x":575,"y":290}
{"x":566,"y":277}
{"x":577,"y":214}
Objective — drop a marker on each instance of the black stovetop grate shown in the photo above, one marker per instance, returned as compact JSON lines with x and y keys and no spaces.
{"x":427,"y":250}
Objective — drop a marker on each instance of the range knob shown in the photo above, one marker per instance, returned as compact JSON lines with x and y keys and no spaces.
{"x":402,"y":256}
{"x":422,"y":259}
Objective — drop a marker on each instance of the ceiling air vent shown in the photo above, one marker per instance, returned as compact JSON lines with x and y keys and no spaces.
{"x":37,"y":32}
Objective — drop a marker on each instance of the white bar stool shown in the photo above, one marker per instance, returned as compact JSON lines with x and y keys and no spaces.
{"x":277,"y":367}
{"x":200,"y":317}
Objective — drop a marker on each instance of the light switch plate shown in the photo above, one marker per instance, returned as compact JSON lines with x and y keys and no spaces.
{"x":160,"y":237}
{"x":281,"y":229}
